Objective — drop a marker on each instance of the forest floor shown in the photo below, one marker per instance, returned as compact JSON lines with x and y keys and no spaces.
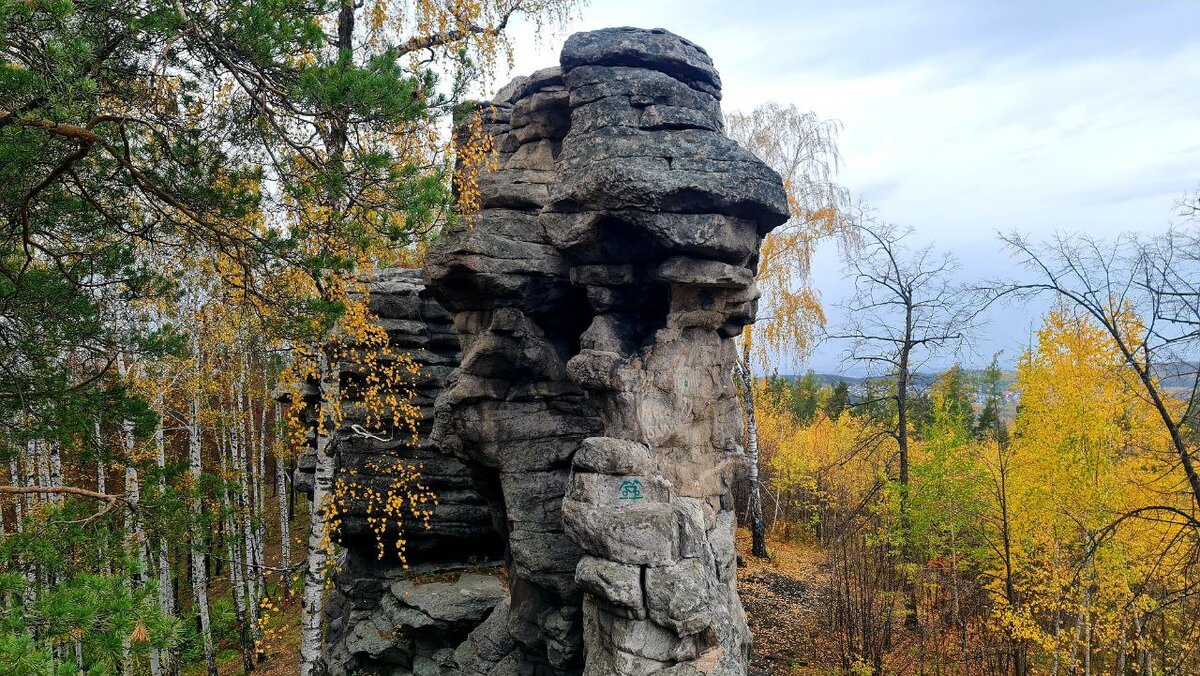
{"x":282,"y":647}
{"x":282,"y":643}
{"x":783,"y":601}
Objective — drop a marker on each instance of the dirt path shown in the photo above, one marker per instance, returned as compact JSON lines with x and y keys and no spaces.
{"x":782,"y":598}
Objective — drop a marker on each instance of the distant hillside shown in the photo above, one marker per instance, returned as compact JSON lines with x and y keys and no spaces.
{"x":921,"y":380}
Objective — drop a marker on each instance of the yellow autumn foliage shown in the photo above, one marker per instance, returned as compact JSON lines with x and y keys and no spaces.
{"x":1087,"y":449}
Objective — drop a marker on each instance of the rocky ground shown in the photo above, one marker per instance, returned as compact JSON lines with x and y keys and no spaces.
{"x":782,"y":598}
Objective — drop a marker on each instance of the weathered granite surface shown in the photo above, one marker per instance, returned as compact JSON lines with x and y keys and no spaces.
{"x":365,"y":628}
{"x":596,"y":297}
{"x":576,"y":339}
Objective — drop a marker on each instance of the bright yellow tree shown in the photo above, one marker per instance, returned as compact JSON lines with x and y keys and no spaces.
{"x":1085,"y":451}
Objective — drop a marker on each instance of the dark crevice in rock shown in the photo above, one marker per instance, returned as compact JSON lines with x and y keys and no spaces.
{"x":565,"y":322}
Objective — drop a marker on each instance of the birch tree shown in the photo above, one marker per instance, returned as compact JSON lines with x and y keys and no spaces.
{"x":803,"y":149}
{"x":282,"y":492}
{"x":197,"y":539}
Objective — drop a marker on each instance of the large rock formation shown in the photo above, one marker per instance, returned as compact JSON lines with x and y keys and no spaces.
{"x":595,"y":299}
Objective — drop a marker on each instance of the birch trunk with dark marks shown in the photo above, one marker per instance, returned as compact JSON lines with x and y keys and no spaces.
{"x":134,"y":534}
{"x":240,"y":440}
{"x":314,"y":573}
{"x":233,"y":554}
{"x":758,"y":530}
{"x":166,"y":596}
{"x":54,"y":462}
{"x":285,"y":526}
{"x":198,"y":540}
{"x":14,"y":473}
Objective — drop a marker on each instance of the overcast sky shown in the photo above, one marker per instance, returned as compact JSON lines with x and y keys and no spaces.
{"x":961,"y":119}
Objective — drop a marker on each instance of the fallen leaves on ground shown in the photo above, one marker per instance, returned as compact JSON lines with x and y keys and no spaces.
{"x":782,"y":597}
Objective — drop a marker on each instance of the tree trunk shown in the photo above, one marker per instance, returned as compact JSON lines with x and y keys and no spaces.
{"x":198,"y":544}
{"x":311,"y":624}
{"x":260,"y":510}
{"x":233,"y":554}
{"x":758,"y":531}
{"x":314,"y":575}
{"x":166,"y":597}
{"x":285,"y":530}
{"x":911,"y":620}
{"x":14,"y":471}
{"x":291,"y":496}
{"x":54,"y":462}
{"x":1145,"y":658}
{"x":21,"y":508}
{"x":37,"y":450}
{"x":239,"y":444}
{"x":134,"y":534}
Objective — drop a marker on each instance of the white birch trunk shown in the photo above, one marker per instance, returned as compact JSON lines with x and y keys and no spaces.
{"x":239,"y":442}
{"x":165,"y":595}
{"x":133,"y":525}
{"x":162,"y":659}
{"x":101,"y":474}
{"x":102,"y":483}
{"x":233,"y":551}
{"x":314,"y":574}
{"x":285,"y":526}
{"x":37,"y":450}
{"x":199,"y":573}
{"x":260,"y":510}
{"x":758,"y":533}
{"x":21,"y":507}
{"x":54,"y":464}
{"x":29,"y":470}
{"x":14,"y":471}
{"x":133,"y":494}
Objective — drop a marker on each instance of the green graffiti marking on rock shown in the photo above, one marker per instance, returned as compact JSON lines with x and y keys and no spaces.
{"x":631,"y":489}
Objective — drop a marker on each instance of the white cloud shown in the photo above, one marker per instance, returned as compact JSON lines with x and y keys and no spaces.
{"x":961,"y":121}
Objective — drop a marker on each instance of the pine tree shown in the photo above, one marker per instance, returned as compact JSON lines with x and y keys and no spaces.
{"x":838,"y":401}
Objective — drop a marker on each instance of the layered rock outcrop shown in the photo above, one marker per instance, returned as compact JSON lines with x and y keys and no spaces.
{"x":596,"y":296}
{"x":377,"y":618}
{"x":587,"y":394}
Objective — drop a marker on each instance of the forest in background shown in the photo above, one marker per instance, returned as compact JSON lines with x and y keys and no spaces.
{"x":1041,"y":521}
{"x":192,"y":195}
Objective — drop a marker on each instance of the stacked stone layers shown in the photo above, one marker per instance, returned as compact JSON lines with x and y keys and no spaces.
{"x":372,"y":621}
{"x":595,"y":299}
{"x":513,"y":414}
